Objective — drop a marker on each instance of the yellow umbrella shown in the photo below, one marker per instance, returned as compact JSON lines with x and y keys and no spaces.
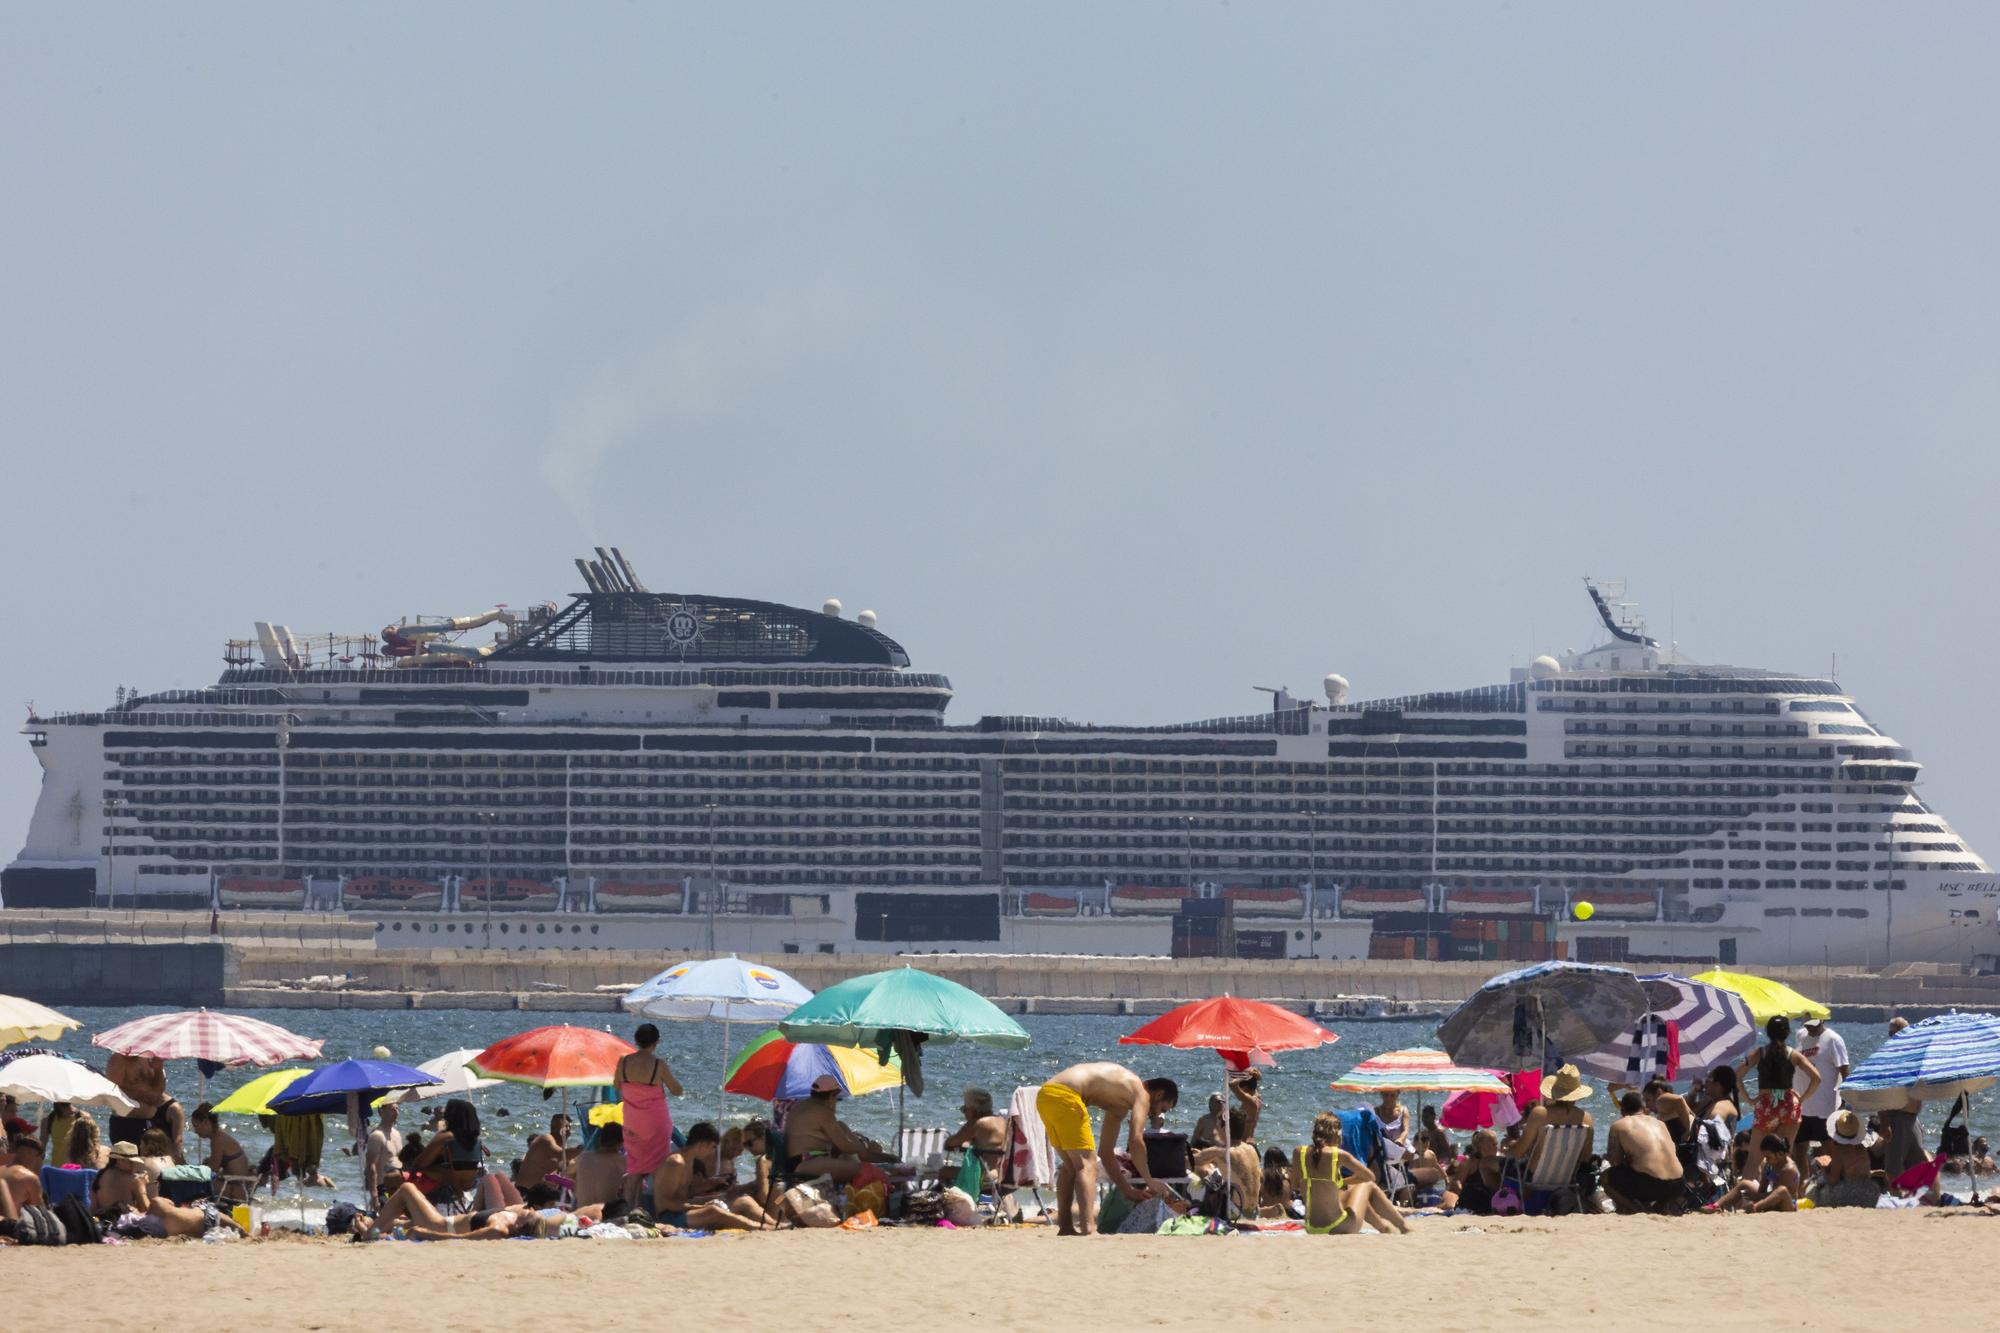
{"x":24,"y":1020}
{"x":607,"y":1113}
{"x":1767,"y":999}
{"x":254,"y":1097}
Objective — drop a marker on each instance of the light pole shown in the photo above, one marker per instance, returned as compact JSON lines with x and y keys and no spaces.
{"x":712,"y":887}
{"x":112,"y":806}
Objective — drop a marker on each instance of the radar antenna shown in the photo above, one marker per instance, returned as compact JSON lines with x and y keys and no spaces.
{"x":1623,"y":624}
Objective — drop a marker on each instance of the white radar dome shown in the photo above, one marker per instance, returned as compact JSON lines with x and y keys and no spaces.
{"x":832,"y":606}
{"x":1544,"y":667}
{"x":866,"y":620}
{"x":1336,"y":688}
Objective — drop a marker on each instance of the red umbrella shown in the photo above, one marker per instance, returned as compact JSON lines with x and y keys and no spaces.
{"x":1238,"y":1030}
{"x":554,"y":1057}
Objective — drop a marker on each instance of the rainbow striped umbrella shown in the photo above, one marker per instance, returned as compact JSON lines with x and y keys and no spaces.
{"x":1419,"y":1069}
{"x":773,"y":1068}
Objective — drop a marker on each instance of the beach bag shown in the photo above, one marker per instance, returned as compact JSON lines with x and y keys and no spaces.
{"x":1954,"y":1139}
{"x":924,"y":1207}
{"x":960,"y":1209}
{"x":39,"y":1226}
{"x":83,"y":1229}
{"x":868,"y":1199}
{"x":970,"y":1176}
{"x":810,"y":1207}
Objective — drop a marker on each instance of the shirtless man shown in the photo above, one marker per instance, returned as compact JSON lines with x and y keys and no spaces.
{"x":682,"y":1187}
{"x":379,"y":1160}
{"x":546,"y":1152}
{"x":983,"y":1132}
{"x":1644,"y":1172}
{"x":1064,"y":1104}
{"x":600,"y":1173}
{"x":22,"y":1175}
{"x":143,"y":1078}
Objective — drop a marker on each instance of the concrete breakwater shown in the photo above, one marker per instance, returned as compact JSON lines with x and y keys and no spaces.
{"x":267,"y":960}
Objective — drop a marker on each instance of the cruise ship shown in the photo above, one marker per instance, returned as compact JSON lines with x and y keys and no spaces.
{"x":640,"y":769}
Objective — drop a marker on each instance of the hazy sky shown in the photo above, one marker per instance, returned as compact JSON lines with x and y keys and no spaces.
{"x":1121,"y":356}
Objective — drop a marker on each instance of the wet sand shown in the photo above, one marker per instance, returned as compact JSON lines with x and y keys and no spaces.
{"x":1824,"y":1270}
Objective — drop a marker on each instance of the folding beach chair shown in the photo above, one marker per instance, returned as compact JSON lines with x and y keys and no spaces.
{"x":1551,"y":1177}
{"x":915,"y":1146}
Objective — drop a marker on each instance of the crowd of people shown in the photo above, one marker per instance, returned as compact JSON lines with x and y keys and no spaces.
{"x":1716,"y":1147}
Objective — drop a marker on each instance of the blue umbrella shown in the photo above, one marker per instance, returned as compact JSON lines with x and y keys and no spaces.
{"x":1934,"y":1060}
{"x":1549,"y":1011}
{"x":326,"y":1090}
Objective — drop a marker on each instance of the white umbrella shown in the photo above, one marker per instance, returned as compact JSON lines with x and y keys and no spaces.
{"x":24,"y":1020}
{"x":725,"y":988}
{"x":51,"y":1078}
{"x":452,"y":1068}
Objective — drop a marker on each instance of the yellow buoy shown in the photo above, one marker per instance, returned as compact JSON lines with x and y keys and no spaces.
{"x":1583,"y":911}
{"x":381,"y":1052}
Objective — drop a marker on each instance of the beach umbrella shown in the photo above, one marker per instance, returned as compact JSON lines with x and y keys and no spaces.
{"x":198,"y":1034}
{"x":24,"y":1020}
{"x":1549,"y":1010}
{"x":1688,"y":1024}
{"x":725,"y":988}
{"x":772,"y":1068}
{"x":335,"y":1087}
{"x":1934,"y":1060}
{"x":254,"y":1097}
{"x":454,"y":1076}
{"x":1767,"y":999}
{"x":899,"y":1010}
{"x":52,"y":1078}
{"x":1937,"y":1059}
{"x":1238,"y":1030}
{"x":553,"y":1057}
{"x":1418,"y":1070}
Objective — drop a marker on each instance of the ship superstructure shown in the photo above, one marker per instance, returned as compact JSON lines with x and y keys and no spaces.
{"x":643,"y":769}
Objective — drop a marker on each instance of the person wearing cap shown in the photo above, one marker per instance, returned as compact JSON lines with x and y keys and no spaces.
{"x":1562,"y":1092}
{"x":1827,"y":1051}
{"x":818,"y":1144}
{"x":1845,"y":1178}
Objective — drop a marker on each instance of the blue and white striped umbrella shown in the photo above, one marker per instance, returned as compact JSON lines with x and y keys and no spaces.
{"x":1712,"y":1027}
{"x":1931,"y":1061}
{"x":1551,"y":1011}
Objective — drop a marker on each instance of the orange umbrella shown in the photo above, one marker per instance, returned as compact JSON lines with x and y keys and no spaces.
{"x":554,"y":1057}
{"x":1236,"y":1028}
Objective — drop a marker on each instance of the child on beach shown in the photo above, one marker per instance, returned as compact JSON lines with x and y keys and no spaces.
{"x":1775,"y":1188}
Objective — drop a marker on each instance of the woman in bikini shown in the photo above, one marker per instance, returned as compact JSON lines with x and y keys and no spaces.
{"x":644,"y":1084}
{"x":1340,"y":1193}
{"x":225,"y":1155}
{"x":456,"y":1156}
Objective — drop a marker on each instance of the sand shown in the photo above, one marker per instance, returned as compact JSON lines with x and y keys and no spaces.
{"x":1824,"y":1270}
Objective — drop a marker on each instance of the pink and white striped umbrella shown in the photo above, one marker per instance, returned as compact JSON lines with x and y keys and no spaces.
{"x":197,"y":1034}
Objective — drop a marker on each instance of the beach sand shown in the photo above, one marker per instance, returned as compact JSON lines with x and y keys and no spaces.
{"x":1827,"y":1270}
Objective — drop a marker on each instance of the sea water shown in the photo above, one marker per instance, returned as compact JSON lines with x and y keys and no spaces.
{"x":1294,"y":1091}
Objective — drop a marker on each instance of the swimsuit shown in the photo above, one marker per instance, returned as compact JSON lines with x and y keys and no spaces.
{"x":1777,"y":1104}
{"x":1311,"y":1180}
{"x":1641,"y":1188}
{"x":1065,"y":1117}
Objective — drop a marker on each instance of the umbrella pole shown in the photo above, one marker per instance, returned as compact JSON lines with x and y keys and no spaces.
{"x":1228,"y":1149}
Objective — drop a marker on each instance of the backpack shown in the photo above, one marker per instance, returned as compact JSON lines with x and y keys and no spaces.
{"x":39,"y":1226}
{"x":83,"y":1229}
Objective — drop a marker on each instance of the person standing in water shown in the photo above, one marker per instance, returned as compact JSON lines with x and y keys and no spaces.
{"x":644,"y":1084}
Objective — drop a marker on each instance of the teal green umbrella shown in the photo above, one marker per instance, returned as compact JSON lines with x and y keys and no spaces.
{"x":866,"y":1010}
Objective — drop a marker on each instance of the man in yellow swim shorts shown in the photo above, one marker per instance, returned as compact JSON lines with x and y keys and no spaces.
{"x":1064,"y":1104}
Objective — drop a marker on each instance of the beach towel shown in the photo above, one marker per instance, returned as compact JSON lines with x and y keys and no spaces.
{"x":1360,"y":1133}
{"x":649,"y":1127}
{"x":1030,"y":1159}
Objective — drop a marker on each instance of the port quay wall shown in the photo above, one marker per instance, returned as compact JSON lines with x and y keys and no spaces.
{"x":286,"y":960}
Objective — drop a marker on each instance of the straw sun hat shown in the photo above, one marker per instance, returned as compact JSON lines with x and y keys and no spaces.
{"x":1845,"y":1128}
{"x":1565,"y":1085}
